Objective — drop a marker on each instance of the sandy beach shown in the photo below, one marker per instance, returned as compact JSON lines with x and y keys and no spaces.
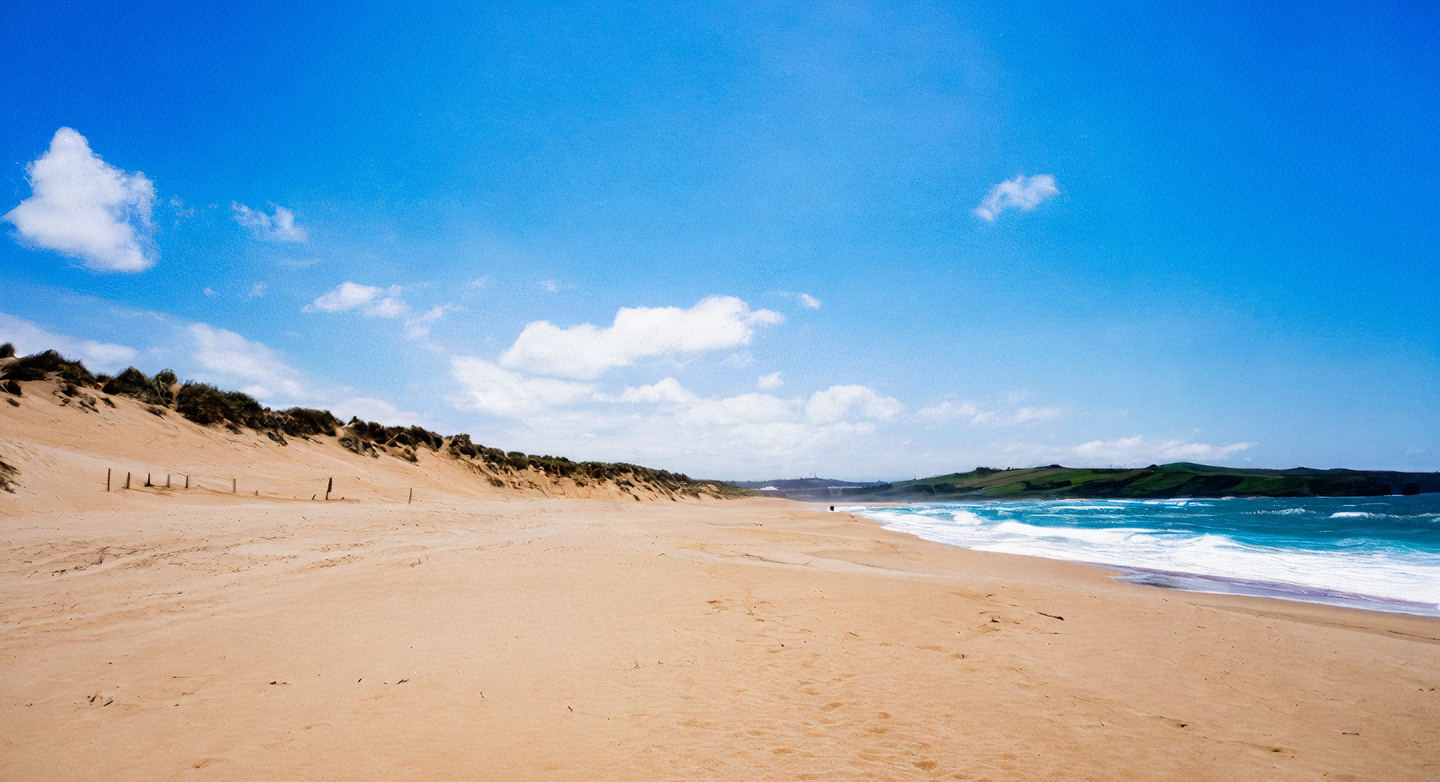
{"x":481,"y":632}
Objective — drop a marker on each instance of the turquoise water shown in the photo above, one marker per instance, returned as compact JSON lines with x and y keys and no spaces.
{"x":1380,"y":553}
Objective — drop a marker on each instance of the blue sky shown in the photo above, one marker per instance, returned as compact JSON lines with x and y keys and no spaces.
{"x":746,"y":241}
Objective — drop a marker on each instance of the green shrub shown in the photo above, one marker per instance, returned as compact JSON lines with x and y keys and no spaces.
{"x":209,"y":406}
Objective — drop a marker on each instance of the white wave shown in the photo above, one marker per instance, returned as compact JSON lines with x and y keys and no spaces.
{"x":1364,"y":568}
{"x":1348,"y":514}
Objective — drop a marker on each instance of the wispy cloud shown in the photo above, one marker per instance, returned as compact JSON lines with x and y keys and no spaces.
{"x":1135,"y":451}
{"x":769,"y":382}
{"x":586,"y":351}
{"x":258,"y":369}
{"x":372,"y":301}
{"x":974,"y":414}
{"x":30,"y":337}
{"x":418,"y":328}
{"x":1022,"y":192}
{"x":87,"y":209}
{"x":497,"y":391}
{"x":279,"y":227}
{"x":808,"y":301}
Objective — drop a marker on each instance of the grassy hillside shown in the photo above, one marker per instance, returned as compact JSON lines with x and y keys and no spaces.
{"x":1181,"y":479}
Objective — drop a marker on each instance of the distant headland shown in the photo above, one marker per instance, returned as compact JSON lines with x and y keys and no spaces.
{"x":1158,"y":481}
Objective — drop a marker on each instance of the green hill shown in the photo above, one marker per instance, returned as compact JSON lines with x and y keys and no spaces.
{"x":1181,"y":479}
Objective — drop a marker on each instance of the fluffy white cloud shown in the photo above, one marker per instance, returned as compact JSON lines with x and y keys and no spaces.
{"x":86,"y":208}
{"x":809,"y":301}
{"x":372,"y":301}
{"x":256,"y":368}
{"x":279,"y":227}
{"x":840,"y":402}
{"x":1022,"y":192}
{"x":769,"y":382}
{"x":29,"y":337}
{"x":667,"y":391}
{"x":587,"y":351}
{"x":495,"y":391}
{"x":666,"y":424}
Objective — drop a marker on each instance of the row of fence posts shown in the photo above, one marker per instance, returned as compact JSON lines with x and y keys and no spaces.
{"x":234,"y":485}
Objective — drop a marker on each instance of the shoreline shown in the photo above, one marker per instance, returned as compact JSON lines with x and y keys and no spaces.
{"x":1203,"y":583}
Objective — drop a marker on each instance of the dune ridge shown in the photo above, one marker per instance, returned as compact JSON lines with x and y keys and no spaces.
{"x":296,"y":453}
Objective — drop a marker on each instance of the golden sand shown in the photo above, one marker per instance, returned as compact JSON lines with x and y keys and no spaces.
{"x":487,"y":633}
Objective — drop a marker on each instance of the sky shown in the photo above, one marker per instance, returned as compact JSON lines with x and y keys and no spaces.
{"x":749,"y":241}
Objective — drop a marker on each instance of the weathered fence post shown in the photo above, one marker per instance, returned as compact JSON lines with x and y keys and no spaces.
{"x":127,"y":480}
{"x":147,"y":480}
{"x":187,"y":481}
{"x":107,"y":479}
{"x":412,"y":497}
{"x":329,"y":487}
{"x":232,"y":486}
{"x":167,"y":480}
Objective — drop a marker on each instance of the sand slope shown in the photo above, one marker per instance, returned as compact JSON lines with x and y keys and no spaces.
{"x":483,"y":633}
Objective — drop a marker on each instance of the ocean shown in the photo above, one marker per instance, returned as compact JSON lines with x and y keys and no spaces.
{"x":1378,"y":553}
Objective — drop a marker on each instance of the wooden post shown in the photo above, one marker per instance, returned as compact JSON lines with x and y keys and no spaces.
{"x":167,"y":480}
{"x":107,"y":479}
{"x":147,"y":480}
{"x":187,"y":481}
{"x":127,"y":480}
{"x":329,"y":487}
{"x":232,"y":486}
{"x":412,"y":497}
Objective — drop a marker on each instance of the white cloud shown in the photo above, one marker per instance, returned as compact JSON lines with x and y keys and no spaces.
{"x":29,"y":337}
{"x":1026,"y":414}
{"x":86,"y":208}
{"x":372,"y":301}
{"x":667,"y":391}
{"x":258,"y":290}
{"x":1136,"y":451}
{"x":769,"y":382}
{"x":279,"y":227}
{"x":809,"y":301}
{"x":495,"y":391}
{"x":587,"y":351}
{"x":256,"y":368}
{"x":210,"y":292}
{"x":972,"y":413}
{"x":1141,"y":450}
{"x":550,"y":285}
{"x":371,"y":409}
{"x":945,"y":411}
{"x":839,"y":402}
{"x":1022,"y":192}
{"x":419,"y":328}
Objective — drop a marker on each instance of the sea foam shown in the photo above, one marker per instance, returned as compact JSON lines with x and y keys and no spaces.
{"x":1371,"y":552}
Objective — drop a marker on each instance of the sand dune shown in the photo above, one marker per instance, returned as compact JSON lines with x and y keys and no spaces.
{"x":517,"y":631}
